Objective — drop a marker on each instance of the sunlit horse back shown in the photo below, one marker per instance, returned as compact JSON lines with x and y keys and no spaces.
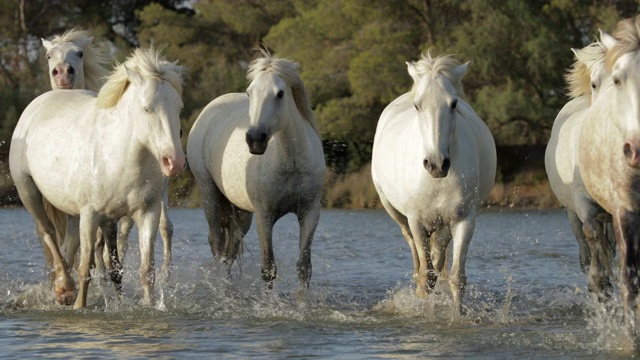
{"x":101,"y":158}
{"x":609,"y":155}
{"x":259,"y":153}
{"x":591,"y":225}
{"x":434,"y":162}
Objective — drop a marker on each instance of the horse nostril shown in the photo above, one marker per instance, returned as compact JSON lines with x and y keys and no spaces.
{"x":55,"y":72}
{"x":71,"y":71}
{"x":425,"y":163}
{"x":627,"y":150}
{"x":446,"y":163}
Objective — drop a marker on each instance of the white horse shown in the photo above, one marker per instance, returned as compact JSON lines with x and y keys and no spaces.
{"x":591,"y":225}
{"x":261,"y":153}
{"x":101,"y":158}
{"x":75,"y":63}
{"x":609,"y":152}
{"x":434,"y":162}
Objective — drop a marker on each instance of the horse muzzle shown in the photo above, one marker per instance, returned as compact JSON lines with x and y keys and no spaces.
{"x":632,"y":154}
{"x":257,"y":140}
{"x":172,"y":166}
{"x":437,"y":169}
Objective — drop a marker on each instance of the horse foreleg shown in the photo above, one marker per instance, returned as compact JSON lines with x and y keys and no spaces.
{"x":166,"y":233}
{"x":308,"y":224}
{"x":626,"y":227}
{"x":88,"y":231}
{"x":147,"y":229}
{"x":423,"y":251}
{"x":264,"y":227}
{"x":461,"y":233}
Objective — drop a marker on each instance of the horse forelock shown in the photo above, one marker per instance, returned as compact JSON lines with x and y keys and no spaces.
{"x":95,"y":59}
{"x":578,"y":77}
{"x":627,"y":35}
{"x":288,"y":71}
{"x":148,"y":63}
{"x":440,"y":65}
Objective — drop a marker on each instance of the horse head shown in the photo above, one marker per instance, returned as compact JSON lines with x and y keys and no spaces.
{"x":623,"y":63}
{"x":152,"y":87}
{"x":276,"y":95}
{"x":436,"y":92}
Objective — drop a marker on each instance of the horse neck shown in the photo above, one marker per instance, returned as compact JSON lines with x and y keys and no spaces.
{"x":293,"y":138}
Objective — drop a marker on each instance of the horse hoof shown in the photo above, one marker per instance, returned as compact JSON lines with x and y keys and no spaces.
{"x":66,"y":297}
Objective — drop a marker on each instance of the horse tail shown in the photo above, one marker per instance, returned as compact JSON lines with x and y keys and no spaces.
{"x":58,"y":219}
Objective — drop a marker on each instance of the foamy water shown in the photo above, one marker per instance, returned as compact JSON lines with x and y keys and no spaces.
{"x":526,"y":298}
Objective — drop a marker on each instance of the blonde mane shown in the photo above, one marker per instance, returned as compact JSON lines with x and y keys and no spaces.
{"x":288,"y":71}
{"x":442,"y":65}
{"x":95,"y":60}
{"x":628,"y":36}
{"x":578,"y":77}
{"x":148,"y":63}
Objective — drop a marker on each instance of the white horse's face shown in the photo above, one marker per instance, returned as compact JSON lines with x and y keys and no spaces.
{"x":435,"y":103}
{"x":269,"y":96}
{"x":598,"y":77}
{"x":625,"y":79}
{"x":65,"y":60}
{"x":157,"y":115}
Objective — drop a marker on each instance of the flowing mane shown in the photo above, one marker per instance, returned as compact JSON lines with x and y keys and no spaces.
{"x":288,"y":71}
{"x":95,"y":60}
{"x":628,"y":35}
{"x":148,"y":63}
{"x":578,"y":77}
{"x":442,"y":65}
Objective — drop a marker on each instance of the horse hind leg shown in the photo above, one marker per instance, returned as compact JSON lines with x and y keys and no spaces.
{"x":583,"y":244}
{"x":439,"y":253}
{"x":32,"y":199}
{"x":114,"y":267}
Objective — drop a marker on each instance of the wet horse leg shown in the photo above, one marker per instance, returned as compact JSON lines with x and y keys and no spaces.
{"x":124,"y":229}
{"x":583,"y":245}
{"x":461,"y":231}
{"x":425,"y":280}
{"x":599,"y":268}
{"x":439,"y":251}
{"x":626,"y":226}
{"x":166,"y":233}
{"x":308,"y":223}
{"x":264,"y":227}
{"x":88,"y":231}
{"x":147,"y":223}
{"x":110,"y":237}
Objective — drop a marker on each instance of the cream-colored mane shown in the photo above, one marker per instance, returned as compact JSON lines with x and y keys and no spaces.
{"x":95,"y":60}
{"x":288,"y":71}
{"x":442,"y":65}
{"x":148,"y":63}
{"x":578,"y":77}
{"x":628,"y":36}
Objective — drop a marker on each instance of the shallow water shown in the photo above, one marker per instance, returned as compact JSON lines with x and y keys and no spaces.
{"x":526,"y":297}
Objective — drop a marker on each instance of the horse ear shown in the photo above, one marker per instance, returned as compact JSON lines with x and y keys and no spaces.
{"x":607,"y":40}
{"x":85,"y":42}
{"x":575,"y":52}
{"x":132,"y":75}
{"x":413,"y":72}
{"x":460,"y":70}
{"x":47,"y":44}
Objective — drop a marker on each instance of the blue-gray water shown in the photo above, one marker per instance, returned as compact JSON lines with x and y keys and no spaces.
{"x":526,"y":298}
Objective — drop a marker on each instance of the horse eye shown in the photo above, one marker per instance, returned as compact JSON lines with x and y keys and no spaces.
{"x":48,"y":56}
{"x":593,"y":86}
{"x":80,"y":54}
{"x":416,"y":106}
{"x":280,"y":94}
{"x":454,"y":103}
{"x":147,"y":110}
{"x":616,"y":81}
